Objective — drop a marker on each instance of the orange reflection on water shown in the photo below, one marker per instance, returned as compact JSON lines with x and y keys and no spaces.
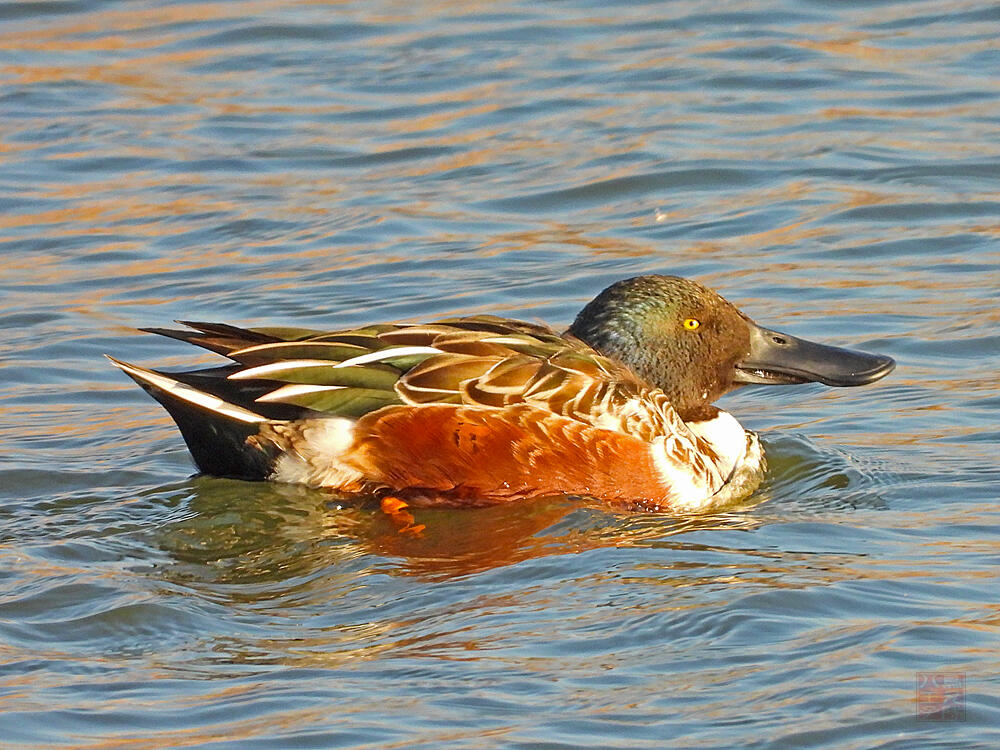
{"x":104,"y":26}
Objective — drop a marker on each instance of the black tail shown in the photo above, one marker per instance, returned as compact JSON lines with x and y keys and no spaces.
{"x":216,"y":431}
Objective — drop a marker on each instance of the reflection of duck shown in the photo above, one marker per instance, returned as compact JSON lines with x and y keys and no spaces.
{"x":287,"y":538}
{"x":483,"y":410}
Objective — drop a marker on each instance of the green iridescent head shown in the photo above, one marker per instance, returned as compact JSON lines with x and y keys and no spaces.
{"x":687,"y":340}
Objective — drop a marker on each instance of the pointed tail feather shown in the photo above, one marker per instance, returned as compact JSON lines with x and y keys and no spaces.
{"x":215,"y":430}
{"x":216,"y":337}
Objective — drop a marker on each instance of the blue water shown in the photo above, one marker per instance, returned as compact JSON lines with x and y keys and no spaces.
{"x":832,"y":168}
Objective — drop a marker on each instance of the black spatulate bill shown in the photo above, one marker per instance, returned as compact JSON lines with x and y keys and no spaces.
{"x":777,"y":358}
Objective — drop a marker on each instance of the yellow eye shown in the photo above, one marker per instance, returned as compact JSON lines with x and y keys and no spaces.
{"x":691,"y":324}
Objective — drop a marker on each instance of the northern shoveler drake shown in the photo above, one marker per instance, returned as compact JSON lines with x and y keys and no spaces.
{"x":482,"y":410}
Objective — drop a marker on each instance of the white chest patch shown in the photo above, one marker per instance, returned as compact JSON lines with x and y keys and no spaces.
{"x":697,"y":480}
{"x":689,"y":488}
{"x":727,"y":438}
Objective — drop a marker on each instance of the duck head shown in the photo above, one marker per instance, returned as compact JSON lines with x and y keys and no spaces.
{"x":694,"y":345}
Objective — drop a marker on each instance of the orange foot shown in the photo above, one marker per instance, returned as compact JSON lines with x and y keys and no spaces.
{"x":396,"y":510}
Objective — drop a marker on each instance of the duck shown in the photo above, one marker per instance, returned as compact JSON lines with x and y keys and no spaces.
{"x":482,"y":410}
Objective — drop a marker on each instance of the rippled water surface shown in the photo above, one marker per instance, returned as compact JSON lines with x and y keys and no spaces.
{"x":834,"y":168}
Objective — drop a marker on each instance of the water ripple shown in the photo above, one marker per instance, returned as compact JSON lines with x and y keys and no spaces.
{"x":831,"y":168}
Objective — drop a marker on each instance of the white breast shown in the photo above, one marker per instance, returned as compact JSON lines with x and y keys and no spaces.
{"x":727,"y":438}
{"x":733,"y":476}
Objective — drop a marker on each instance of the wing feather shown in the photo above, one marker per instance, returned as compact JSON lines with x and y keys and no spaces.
{"x":275,"y":352}
{"x":480,"y":361}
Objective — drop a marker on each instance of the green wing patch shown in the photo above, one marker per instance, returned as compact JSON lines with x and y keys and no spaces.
{"x":342,"y":402}
{"x":265,"y":353}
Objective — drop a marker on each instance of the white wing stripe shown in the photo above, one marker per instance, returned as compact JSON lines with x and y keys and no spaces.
{"x":399,"y":351}
{"x":288,"y":391}
{"x":263,"y":371}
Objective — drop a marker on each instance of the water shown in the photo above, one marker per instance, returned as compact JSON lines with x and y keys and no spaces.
{"x":832,"y":168}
